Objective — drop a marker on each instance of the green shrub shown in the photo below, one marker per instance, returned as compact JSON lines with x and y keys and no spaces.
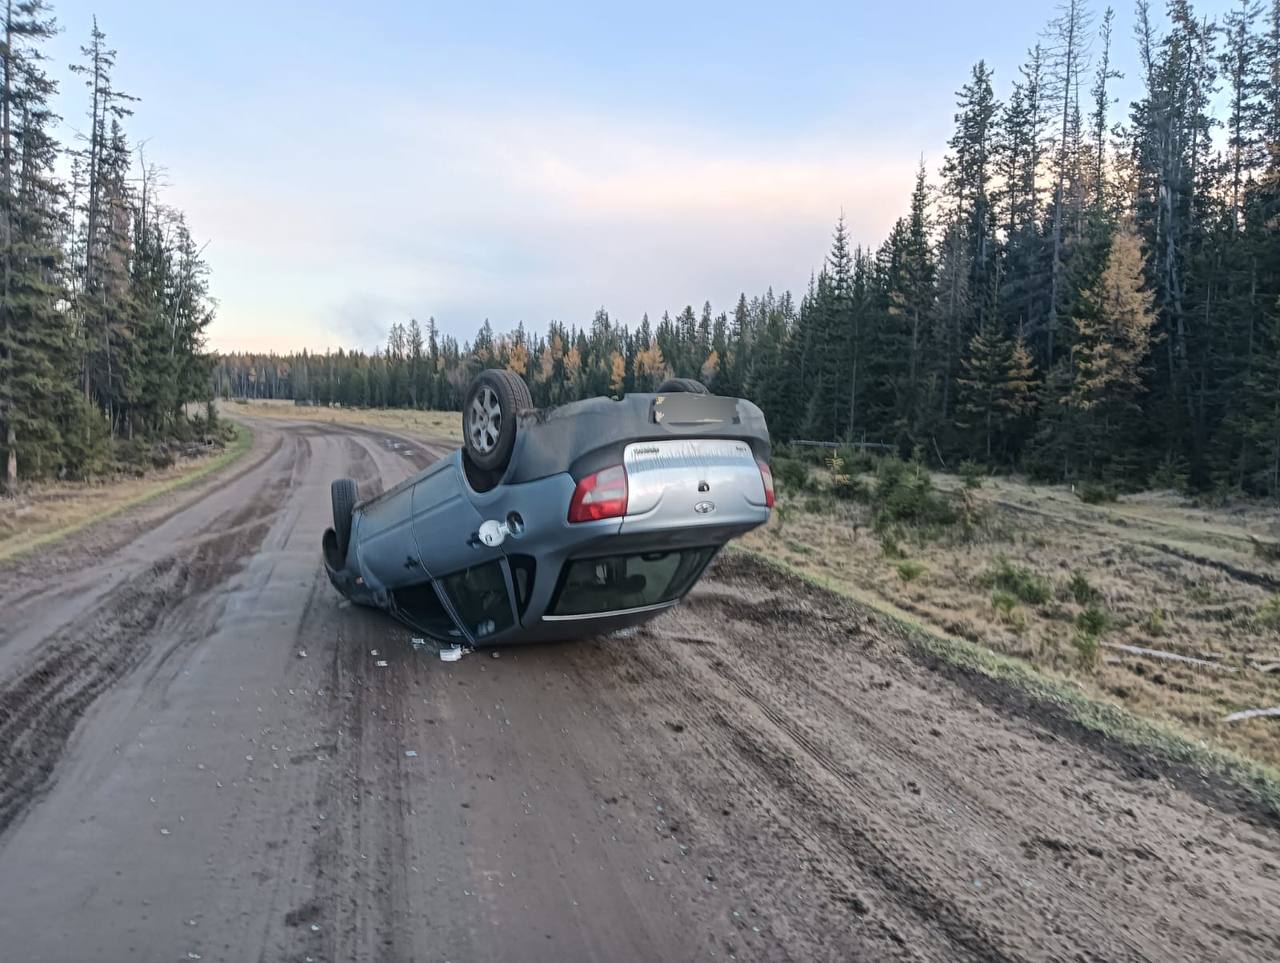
{"x":1081,"y":590}
{"x":1269,"y":614}
{"x":971,"y":473}
{"x":1004,"y":602}
{"x":1153,"y":622}
{"x":1096,"y":493}
{"x":1088,"y":648}
{"x":1093,"y":621}
{"x":791,"y":476}
{"x":857,"y":460}
{"x":909,"y":570}
{"x":1019,"y":581}
{"x":905,"y":494}
{"x":1203,"y":595}
{"x":889,"y":545}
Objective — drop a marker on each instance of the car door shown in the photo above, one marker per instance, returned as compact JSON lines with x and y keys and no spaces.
{"x":387,"y":544}
{"x":445,"y":522}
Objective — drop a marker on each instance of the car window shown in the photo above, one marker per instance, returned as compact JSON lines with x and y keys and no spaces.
{"x":617,"y":582}
{"x":420,"y":605}
{"x":481,"y":599}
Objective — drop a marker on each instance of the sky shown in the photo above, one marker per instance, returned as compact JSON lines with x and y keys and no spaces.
{"x":353,"y":165}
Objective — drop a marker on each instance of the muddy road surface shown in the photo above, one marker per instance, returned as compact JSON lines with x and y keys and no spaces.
{"x":764,"y":773}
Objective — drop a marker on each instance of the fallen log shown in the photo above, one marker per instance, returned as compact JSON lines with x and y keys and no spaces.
{"x":1170,"y":656}
{"x":1252,"y":714}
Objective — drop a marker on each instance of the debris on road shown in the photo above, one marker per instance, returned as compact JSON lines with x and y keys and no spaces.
{"x":496,"y":654}
{"x":453,"y":653}
{"x":411,"y":753}
{"x":381,"y":663}
{"x":302,"y":653}
{"x":417,"y":643}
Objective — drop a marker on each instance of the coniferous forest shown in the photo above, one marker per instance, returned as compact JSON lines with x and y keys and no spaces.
{"x":1082,"y":290}
{"x":105,"y":296}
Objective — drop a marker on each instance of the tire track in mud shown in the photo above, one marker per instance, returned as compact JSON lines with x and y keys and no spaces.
{"x":42,"y":702}
{"x":358,"y":860}
{"x":807,"y":744}
{"x":891,"y":898}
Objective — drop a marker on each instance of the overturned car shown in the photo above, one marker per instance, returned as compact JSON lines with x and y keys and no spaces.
{"x":560,"y":523}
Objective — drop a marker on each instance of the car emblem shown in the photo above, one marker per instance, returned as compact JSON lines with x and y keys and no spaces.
{"x":704,"y":508}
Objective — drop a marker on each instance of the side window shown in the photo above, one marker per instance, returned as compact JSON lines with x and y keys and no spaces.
{"x":420,"y":605}
{"x":480,"y":597}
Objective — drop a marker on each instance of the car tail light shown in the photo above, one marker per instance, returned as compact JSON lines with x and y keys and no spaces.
{"x":766,"y":476}
{"x":602,"y":495}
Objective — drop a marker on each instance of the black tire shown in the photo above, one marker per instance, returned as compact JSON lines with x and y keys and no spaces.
{"x":686,"y":385}
{"x":493,"y":400}
{"x":342,"y":493}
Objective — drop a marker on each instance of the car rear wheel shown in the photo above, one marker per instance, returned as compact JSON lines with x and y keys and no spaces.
{"x":493,"y":400}
{"x":342,"y":493}
{"x":686,"y":385}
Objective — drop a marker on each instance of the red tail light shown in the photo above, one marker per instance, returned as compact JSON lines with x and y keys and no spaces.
{"x":767,"y":477}
{"x":602,"y":495}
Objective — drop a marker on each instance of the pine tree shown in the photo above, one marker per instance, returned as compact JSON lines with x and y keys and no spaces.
{"x":35,"y":351}
{"x":1111,"y":344}
{"x":997,"y":388}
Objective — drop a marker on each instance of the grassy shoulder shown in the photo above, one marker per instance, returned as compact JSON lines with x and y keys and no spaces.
{"x":433,"y":425}
{"x":1074,"y":701}
{"x":45,"y":513}
{"x":1129,"y":603}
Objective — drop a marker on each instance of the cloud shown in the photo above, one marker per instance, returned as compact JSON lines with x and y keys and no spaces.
{"x":533,"y":215}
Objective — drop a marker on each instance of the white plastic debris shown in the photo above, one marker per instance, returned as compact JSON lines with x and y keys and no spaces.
{"x":496,"y":654}
{"x":302,"y":653}
{"x":373,"y":652}
{"x":164,"y":832}
{"x":381,"y":663}
{"x":452,"y":654}
{"x":411,"y":753}
{"x":417,"y":643}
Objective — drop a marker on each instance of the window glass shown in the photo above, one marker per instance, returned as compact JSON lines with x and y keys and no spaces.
{"x":617,"y":582}
{"x":481,"y":599}
{"x":420,"y":605}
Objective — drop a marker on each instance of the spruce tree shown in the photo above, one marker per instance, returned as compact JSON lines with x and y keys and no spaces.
{"x":35,"y":351}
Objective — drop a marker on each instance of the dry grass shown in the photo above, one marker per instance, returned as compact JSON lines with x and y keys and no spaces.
{"x":42,"y":513}
{"x":1141,"y":572}
{"x":432,"y":425}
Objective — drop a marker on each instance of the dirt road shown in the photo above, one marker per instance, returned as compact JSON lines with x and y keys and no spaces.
{"x":765,"y":773}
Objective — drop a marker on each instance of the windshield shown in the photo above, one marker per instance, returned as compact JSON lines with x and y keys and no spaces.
{"x":618,"y":582}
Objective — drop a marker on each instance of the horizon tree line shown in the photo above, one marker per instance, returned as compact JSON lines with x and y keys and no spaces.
{"x":1081,"y":290}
